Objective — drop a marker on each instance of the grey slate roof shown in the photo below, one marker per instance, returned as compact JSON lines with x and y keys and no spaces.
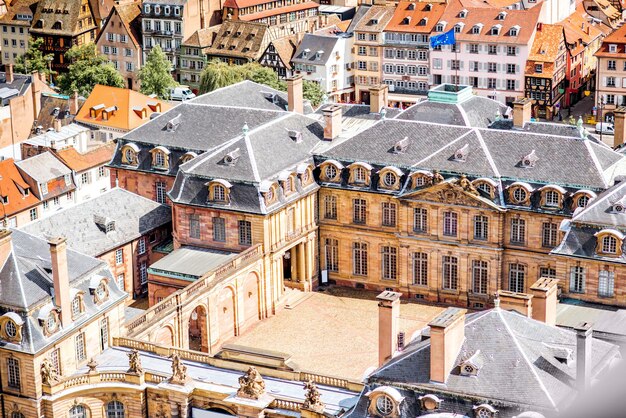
{"x":191,"y":262}
{"x":519,"y":367}
{"x":26,"y":287}
{"x":20,"y":82}
{"x":599,"y":211}
{"x":134,"y":216}
{"x":314,"y":43}
{"x":43,"y":167}
{"x":246,"y":94}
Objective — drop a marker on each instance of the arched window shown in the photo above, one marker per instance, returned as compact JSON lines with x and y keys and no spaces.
{"x":16,"y":414}
{"x":552,"y":198}
{"x":609,"y":244}
{"x":76,"y":306}
{"x":78,"y":411}
{"x":360,"y":175}
{"x":159,"y":160}
{"x":389,"y":179}
{"x":115,"y":409}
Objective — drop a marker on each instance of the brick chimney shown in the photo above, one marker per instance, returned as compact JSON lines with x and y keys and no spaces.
{"x":521,"y":111}
{"x":584,"y":338}
{"x":388,"y":324}
{"x":378,"y":97}
{"x":520,"y":302}
{"x":57,"y":124}
{"x":8,"y":70}
{"x":5,"y":245}
{"x":295,"y":96}
{"x":620,"y":126}
{"x":61,"y":279}
{"x":332,"y":120}
{"x":544,"y":293}
{"x":74,"y":103}
{"x":447,"y":333}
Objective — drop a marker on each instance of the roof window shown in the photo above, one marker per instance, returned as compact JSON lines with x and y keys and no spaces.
{"x":529,"y":160}
{"x":231,"y":157}
{"x":401,"y":146}
{"x":461,"y":153}
{"x":463,"y":14}
{"x":173,"y":123}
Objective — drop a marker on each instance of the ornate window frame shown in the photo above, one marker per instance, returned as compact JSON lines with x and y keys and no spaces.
{"x":551,"y":188}
{"x":582,"y":194}
{"x":527,"y":188}
{"x":99,"y":288}
{"x":305,"y":174}
{"x":269,"y":191}
{"x":212,"y":185}
{"x":325,"y":174}
{"x":48,"y":319}
{"x":493,"y":186}
{"x":130,"y":154}
{"x":421,"y":176}
{"x":484,"y":411}
{"x":188,"y":156}
{"x":77,"y":295}
{"x":287,"y":182}
{"x":607,"y":234}
{"x":353,"y":168}
{"x":386,"y":173}
{"x":162,"y":152}
{"x":16,"y":322}
{"x":430,"y":402}
{"x":389,"y":395}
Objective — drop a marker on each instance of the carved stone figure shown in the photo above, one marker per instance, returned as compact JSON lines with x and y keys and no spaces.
{"x":437,"y":177}
{"x":467,"y":186}
{"x":134,"y":362}
{"x":312,"y":398}
{"x":92,"y":365}
{"x":251,"y":384}
{"x":48,"y":373}
{"x":179,"y":370}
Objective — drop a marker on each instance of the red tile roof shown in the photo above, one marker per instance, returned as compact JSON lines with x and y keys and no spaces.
{"x":409,"y":14}
{"x":10,"y":179}
{"x":278,"y":11}
{"x":94,"y":158}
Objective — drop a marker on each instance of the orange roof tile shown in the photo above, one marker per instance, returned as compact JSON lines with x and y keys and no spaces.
{"x":545,"y":49}
{"x":10,"y":178}
{"x":279,"y":10}
{"x":94,"y":158}
{"x":409,"y":14}
{"x":125,"y":105}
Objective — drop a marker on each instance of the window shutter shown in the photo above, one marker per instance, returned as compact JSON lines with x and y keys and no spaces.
{"x":450,"y":65}
{"x":604,"y":81}
{"x":499,"y":67}
{"x":517,"y":69}
{"x":461,"y":65}
{"x":618,"y":82}
{"x":516,"y":84}
{"x":467,"y":47}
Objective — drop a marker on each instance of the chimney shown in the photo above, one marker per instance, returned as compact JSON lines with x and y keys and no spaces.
{"x":584,"y":337}
{"x":520,"y":302}
{"x":295,"y":96}
{"x":74,"y":103}
{"x":521,"y":111}
{"x":5,"y":245}
{"x":57,"y":124}
{"x":447,"y":333}
{"x":620,"y":126}
{"x":60,"y":276}
{"x":388,"y":319}
{"x":378,"y":98}
{"x":544,"y":293}
{"x":332,"y":120}
{"x":8,"y":69}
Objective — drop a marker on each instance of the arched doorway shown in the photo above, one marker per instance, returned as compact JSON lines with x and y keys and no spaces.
{"x":197,"y":330}
{"x":250,"y":299}
{"x":226,"y":313}
{"x":165,"y":337}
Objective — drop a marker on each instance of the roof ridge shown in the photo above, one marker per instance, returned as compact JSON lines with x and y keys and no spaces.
{"x":442,"y":148}
{"x":492,"y":163}
{"x":596,"y":163}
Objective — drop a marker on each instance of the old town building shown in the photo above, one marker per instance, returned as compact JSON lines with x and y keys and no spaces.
{"x":611,"y":73}
{"x":63,"y":24}
{"x":238,"y":42}
{"x":193,"y":58}
{"x":292,"y":14}
{"x":15,"y":26}
{"x":19,"y":205}
{"x":278,"y":55}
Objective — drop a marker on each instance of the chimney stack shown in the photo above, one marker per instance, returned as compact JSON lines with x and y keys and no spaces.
{"x":620,"y":126}
{"x":388,"y":319}
{"x":57,"y":124}
{"x":5,"y":245}
{"x":544,"y":293}
{"x":60,"y":276}
{"x":447,"y":333}
{"x":378,"y":98}
{"x":520,"y":302}
{"x":332,"y":120}
{"x":295,"y":96}
{"x":521,"y":111}
{"x":74,"y":103}
{"x":8,"y":71}
{"x":584,"y":337}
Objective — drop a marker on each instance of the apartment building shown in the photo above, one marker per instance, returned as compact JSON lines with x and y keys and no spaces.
{"x":15,"y":24}
{"x":491,"y":49}
{"x":19,"y":205}
{"x":301,"y":15}
{"x":279,"y":53}
{"x":611,"y":72}
{"x":192,"y":57}
{"x":405,"y":61}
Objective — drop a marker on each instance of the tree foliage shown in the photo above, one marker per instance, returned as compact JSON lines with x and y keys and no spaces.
{"x":218,"y":74}
{"x":156,"y":74}
{"x":87,"y":69}
{"x":33,"y":59}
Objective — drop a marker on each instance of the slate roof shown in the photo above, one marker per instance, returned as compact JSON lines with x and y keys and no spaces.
{"x":43,"y":167}
{"x":519,"y":367}
{"x":134,"y":216}
{"x":20,"y":82}
{"x":307,"y":52}
{"x":191,"y":262}
{"x":26,"y":287}
{"x":246,"y":94}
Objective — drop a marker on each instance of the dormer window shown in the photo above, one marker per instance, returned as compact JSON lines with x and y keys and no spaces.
{"x":305,"y":53}
{"x":514,"y":31}
{"x":423,"y":21}
{"x":130,"y":152}
{"x":613,"y":48}
{"x":286,"y":178}
{"x":160,"y":158}
{"x":430,"y":402}
{"x":268,"y":190}
{"x":529,"y":160}
{"x":439,"y":27}
{"x":463,"y":14}
{"x":476,"y":29}
{"x":501,"y":15}
{"x":360,"y":174}
{"x":384,"y":402}
{"x":98,"y":287}
{"x":304,"y":172}
{"x":461,"y":153}
{"x":384,"y":405}
{"x":188,"y":156}
{"x":389,"y":178}
{"x":146,"y":9}
{"x":219,"y":191}
{"x":458,"y":27}
{"x":77,"y":306}
{"x":552,"y":196}
{"x":401,"y":146}
{"x":11,"y":327}
{"x":519,"y":193}
{"x":495,"y":30}
{"x":485,"y":411}
{"x":486,"y":185}
{"x":231,"y":157}
{"x":173,"y":123}
{"x":581,"y":198}
{"x":471,"y":366}
{"x":330,"y":171}
{"x":609,"y":243}
{"x":428,"y":7}
{"x":411,"y":6}
{"x":406,"y":20}
{"x":421,"y":178}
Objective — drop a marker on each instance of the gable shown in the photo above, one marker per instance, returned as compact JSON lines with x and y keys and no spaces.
{"x":452,"y":194}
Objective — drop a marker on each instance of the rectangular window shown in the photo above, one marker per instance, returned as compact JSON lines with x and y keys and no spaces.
{"x":420,"y":269}
{"x":450,"y":224}
{"x":120,"y":281}
{"x":389,"y":214}
{"x":219,"y":229}
{"x":194,"y":226}
{"x":79,"y":344}
{"x":359,"y":211}
{"x":143,"y":273}
{"x":44,"y":188}
{"x":102,"y":171}
{"x":119,"y":256}
{"x":610,"y":65}
{"x":104,"y":334}
{"x":245,"y":233}
{"x":331,"y":254}
{"x":518,"y":231}
{"x":517,"y":274}
{"x":450,"y":267}
{"x":577,"y":280}
{"x":330,"y":207}
{"x":360,"y":258}
{"x":420,"y":220}
{"x":547,"y":272}
{"x":141,"y":246}
{"x":160,"y":192}
{"x":390,"y":263}
{"x":606,"y":284}
{"x":481,"y":227}
{"x":13,"y":369}
{"x":549,"y":234}
{"x":54,"y":360}
{"x":479,"y":276}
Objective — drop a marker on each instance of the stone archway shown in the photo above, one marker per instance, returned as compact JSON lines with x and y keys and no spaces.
{"x":165,"y":336}
{"x":197,"y":330}
{"x":250,"y":299}
{"x":227,"y":316}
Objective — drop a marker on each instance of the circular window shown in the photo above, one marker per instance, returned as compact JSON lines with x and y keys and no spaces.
{"x":519,"y":195}
{"x":331,"y":171}
{"x":384,"y":405}
{"x":130,"y":155}
{"x":101,"y":291}
{"x":51,"y":323}
{"x":389,"y":179}
{"x":483,"y":413}
{"x":10,"y":329}
{"x":582,"y":201}
{"x":468,"y":369}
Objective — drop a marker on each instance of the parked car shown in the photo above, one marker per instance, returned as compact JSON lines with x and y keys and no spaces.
{"x":181,"y":93}
{"x":605,"y":128}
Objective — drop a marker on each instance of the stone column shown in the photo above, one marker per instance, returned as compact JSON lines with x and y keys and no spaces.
{"x":301,"y":264}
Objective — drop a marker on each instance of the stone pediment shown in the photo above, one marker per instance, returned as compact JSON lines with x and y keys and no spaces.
{"x":452,"y":194}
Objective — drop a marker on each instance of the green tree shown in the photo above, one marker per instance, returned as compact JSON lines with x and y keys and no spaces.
{"x":156,"y":74}
{"x":218,"y":74}
{"x":312,"y":92}
{"x":87,"y":69}
{"x":33,"y":59}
